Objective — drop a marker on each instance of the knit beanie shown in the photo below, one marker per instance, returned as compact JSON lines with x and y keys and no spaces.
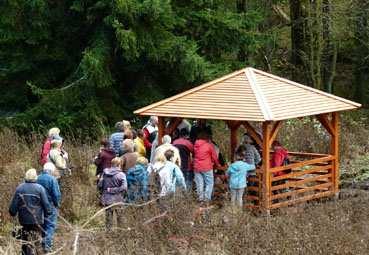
{"x":31,"y":175}
{"x":53,"y":131}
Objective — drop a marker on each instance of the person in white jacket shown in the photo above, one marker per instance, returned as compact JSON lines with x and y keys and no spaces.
{"x":170,"y":176}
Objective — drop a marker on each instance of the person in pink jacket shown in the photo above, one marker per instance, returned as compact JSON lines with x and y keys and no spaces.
{"x":46,"y":147}
{"x":205,"y":159}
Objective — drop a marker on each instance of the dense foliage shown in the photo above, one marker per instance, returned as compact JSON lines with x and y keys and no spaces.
{"x":82,"y":63}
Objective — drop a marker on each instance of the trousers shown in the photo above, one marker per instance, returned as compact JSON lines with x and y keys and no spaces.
{"x":204,"y":185}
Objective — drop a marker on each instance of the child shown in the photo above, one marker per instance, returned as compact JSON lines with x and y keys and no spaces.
{"x":237,"y":173}
{"x":137,"y":179}
{"x":170,"y":176}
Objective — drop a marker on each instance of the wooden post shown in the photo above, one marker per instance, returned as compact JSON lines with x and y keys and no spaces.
{"x":174,"y":123}
{"x":266,"y":194}
{"x":335,"y":151}
{"x":234,"y":140}
{"x":161,"y":129}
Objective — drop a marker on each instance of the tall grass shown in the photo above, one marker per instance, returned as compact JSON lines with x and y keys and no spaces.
{"x":324,"y":227}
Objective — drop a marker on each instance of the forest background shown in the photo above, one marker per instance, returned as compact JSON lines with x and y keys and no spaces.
{"x":84,"y":64}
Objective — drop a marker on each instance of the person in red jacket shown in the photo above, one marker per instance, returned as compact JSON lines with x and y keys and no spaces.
{"x":279,"y":157}
{"x":46,"y":147}
{"x":205,"y":159}
{"x":150,"y":131}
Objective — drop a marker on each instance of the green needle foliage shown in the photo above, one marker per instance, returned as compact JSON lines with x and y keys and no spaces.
{"x":75,"y":63}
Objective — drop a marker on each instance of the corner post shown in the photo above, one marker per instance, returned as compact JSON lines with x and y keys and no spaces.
{"x":233,"y":126}
{"x":161,"y":129}
{"x":335,"y":151}
{"x":265,"y":167}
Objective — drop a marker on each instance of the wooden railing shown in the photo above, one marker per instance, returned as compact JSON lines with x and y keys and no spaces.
{"x":309,"y":176}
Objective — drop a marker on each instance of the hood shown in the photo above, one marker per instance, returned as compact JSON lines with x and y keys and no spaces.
{"x":138,"y":169}
{"x":112,"y":171}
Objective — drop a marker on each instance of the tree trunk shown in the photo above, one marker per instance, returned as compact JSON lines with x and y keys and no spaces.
{"x":361,"y":51}
{"x":329,"y":55}
{"x":297,"y":38}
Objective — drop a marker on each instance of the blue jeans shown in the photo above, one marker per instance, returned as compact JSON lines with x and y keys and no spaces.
{"x":49,"y":228}
{"x":188,"y":176}
{"x":237,"y":196}
{"x":204,"y":185}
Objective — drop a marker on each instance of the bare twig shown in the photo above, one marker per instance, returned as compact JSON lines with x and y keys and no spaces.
{"x":156,"y":217}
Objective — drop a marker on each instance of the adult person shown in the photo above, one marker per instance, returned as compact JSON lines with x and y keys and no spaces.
{"x":50,"y":184}
{"x":185,"y":148}
{"x":62,"y":173}
{"x":166,"y":145}
{"x":252,"y":156}
{"x":104,"y":158}
{"x":113,"y":183}
{"x":46,"y":147}
{"x":129,"y":158}
{"x":56,"y":156}
{"x":31,"y":204}
{"x":150,"y":132}
{"x":205,"y":158}
{"x":139,"y":144}
{"x":117,"y":138}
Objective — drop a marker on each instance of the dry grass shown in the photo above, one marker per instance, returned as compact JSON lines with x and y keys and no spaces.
{"x":327,"y":227}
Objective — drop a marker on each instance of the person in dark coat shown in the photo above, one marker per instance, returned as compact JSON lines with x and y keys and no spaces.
{"x":49,"y":182}
{"x":113,"y":183}
{"x":31,"y":204}
{"x":185,"y":147}
{"x":104,"y":158}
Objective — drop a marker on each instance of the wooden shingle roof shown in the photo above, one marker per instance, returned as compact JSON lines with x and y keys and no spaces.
{"x":248,"y":94}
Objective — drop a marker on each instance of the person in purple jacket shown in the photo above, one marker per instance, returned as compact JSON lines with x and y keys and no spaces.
{"x":113,"y":183}
{"x":104,"y":158}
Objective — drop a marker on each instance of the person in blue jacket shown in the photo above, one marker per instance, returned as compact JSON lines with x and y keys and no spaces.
{"x":31,"y":204}
{"x":138,"y":180}
{"x":49,"y":182}
{"x":237,"y":173}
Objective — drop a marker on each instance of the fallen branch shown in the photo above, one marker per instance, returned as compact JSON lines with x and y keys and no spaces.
{"x":116,"y":204}
{"x":156,"y":217}
{"x":75,"y":244}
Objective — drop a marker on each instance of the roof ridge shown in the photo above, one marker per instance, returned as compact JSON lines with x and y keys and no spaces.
{"x":260,"y":98}
{"x":306,"y":87}
{"x":190,"y":91}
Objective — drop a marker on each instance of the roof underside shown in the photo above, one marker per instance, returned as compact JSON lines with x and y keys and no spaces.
{"x":251,"y":95}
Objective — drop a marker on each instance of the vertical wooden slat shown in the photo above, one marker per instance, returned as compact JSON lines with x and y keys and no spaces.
{"x":266,"y":194}
{"x":161,"y":129}
{"x":335,"y":151}
{"x":234,"y":141}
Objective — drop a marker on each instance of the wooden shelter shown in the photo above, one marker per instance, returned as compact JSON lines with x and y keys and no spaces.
{"x":250,"y":95}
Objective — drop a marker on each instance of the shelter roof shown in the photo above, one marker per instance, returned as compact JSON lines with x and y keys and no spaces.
{"x":249,"y":94}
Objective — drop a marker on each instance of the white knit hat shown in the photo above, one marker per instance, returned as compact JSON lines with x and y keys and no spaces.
{"x":31,"y":175}
{"x":54,"y":131}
